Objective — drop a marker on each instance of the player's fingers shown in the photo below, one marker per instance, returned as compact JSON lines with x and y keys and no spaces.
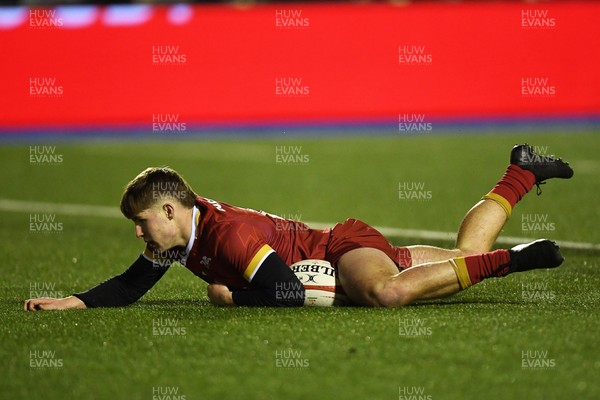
{"x":30,"y":305}
{"x":36,"y":304}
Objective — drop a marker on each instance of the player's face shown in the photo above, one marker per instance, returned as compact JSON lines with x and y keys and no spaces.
{"x":156,"y":226}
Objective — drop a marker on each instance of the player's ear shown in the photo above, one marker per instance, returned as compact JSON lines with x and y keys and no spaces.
{"x":169,"y":210}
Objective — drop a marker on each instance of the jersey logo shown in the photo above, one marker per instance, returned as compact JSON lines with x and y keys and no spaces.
{"x":205,"y":261}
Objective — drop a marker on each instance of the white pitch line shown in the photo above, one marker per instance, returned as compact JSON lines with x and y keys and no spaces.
{"x":59,"y":208}
{"x":8,"y":205}
{"x":451,"y":236}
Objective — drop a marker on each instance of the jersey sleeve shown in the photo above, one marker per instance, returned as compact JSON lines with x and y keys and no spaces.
{"x":257,"y":261}
{"x":274,"y":284}
{"x":123,"y":289}
{"x":271,"y":281}
{"x":244,"y":247}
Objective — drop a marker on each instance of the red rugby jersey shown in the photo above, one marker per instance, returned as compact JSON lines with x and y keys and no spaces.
{"x":231,"y":242}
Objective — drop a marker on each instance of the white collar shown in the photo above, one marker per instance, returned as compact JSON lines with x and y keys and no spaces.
{"x":188,"y":248}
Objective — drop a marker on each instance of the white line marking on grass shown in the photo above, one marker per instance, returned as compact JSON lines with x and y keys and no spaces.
{"x":8,"y":205}
{"x":59,"y":208}
{"x":451,"y":236}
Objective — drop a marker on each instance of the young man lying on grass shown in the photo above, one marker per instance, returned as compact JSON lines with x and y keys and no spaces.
{"x":245,"y":258}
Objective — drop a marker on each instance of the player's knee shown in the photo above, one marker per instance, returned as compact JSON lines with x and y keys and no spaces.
{"x":392,"y":295}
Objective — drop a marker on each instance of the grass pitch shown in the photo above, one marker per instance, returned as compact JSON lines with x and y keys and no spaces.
{"x":530,"y":335}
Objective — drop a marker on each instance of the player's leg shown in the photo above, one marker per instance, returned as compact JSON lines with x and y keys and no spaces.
{"x":424,"y":254}
{"x":478,"y":232}
{"x":483,"y":222}
{"x":370,"y":277}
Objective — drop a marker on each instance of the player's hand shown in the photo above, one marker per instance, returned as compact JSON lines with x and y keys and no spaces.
{"x":50,"y":303}
{"x":219,"y":295}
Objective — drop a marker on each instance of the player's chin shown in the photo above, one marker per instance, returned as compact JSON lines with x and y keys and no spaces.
{"x":154,"y":247}
{"x":158,"y":248}
{"x":161,"y":249}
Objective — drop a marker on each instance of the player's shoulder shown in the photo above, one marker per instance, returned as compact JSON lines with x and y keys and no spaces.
{"x":224,"y":211}
{"x":207,"y":204}
{"x":228,"y":222}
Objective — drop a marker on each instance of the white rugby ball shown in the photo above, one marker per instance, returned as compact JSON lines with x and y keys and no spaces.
{"x":322,"y":286}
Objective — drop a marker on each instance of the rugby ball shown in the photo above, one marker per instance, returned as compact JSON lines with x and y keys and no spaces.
{"x":323,"y":289}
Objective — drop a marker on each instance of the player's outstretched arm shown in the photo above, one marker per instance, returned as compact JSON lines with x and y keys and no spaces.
{"x":119,"y":291}
{"x":126,"y":288}
{"x":49,"y":303}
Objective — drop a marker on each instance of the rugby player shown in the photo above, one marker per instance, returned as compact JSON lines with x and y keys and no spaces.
{"x":244,"y":256}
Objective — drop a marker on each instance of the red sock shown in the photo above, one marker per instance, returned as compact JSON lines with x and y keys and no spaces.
{"x":473,"y":269}
{"x":515,"y":184}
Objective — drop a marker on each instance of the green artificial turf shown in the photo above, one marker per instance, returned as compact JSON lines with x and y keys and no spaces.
{"x":174,"y":344}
